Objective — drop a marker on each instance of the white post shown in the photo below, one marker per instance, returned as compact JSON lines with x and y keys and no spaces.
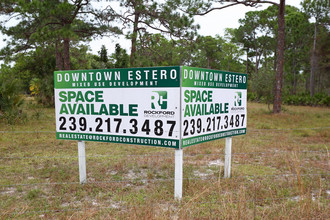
{"x":82,"y":161}
{"x":178,"y":178}
{"x":228,"y":157}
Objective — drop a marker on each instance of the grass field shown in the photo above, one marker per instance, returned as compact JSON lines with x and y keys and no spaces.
{"x":280,"y":170}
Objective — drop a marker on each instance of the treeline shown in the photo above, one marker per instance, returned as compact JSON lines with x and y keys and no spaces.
{"x":53,"y":35}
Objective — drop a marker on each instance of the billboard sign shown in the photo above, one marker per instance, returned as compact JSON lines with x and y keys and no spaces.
{"x":158,"y":106}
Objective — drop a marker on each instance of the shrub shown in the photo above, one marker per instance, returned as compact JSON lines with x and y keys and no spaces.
{"x":43,"y":90}
{"x":251,"y":96}
{"x":320,"y":99}
{"x":34,"y":86}
{"x":263,"y":86}
{"x":11,"y":98}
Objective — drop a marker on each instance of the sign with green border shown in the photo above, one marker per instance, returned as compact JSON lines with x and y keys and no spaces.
{"x":213,"y":105}
{"x":171,"y":107}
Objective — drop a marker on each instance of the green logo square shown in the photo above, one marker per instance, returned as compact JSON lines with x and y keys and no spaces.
{"x":158,"y":100}
{"x":238,"y":99}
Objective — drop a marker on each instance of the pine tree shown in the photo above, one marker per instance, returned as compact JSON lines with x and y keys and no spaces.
{"x":142,"y":16}
{"x":51,"y":22}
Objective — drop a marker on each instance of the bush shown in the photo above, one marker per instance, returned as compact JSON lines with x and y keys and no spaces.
{"x":263,"y":86}
{"x":319,"y":99}
{"x":11,"y":98}
{"x":251,"y":96}
{"x":43,"y":90}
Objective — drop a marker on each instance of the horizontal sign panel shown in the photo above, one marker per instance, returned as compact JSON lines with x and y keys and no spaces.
{"x":206,"y":78}
{"x":119,"y":78}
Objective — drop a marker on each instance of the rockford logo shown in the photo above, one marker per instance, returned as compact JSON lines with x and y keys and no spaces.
{"x":238,"y":99}
{"x":158,"y":112}
{"x":159,"y":106}
{"x":237,"y":108}
{"x":238,"y":102}
{"x":158,"y":100}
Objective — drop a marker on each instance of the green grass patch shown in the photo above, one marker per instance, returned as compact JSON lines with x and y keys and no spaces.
{"x":253,"y":170}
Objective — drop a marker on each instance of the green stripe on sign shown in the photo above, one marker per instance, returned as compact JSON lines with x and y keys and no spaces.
{"x":209,"y":137}
{"x":207,"y":78}
{"x":158,"y":142}
{"x":118,"y":78}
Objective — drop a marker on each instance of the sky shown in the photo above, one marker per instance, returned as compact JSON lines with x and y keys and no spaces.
{"x":211,"y":24}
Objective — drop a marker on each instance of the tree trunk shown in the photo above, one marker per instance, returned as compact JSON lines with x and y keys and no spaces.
{"x":280,"y":59}
{"x":247,"y":61}
{"x":294,"y":71}
{"x":66,"y":53}
{"x":256,"y":54}
{"x":319,"y":85}
{"x":313,"y":63}
{"x":58,"y":56}
{"x":306,"y":83}
{"x":257,"y":64}
{"x":134,"y":36}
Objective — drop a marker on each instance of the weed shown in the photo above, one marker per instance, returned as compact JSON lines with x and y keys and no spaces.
{"x":33,"y":194}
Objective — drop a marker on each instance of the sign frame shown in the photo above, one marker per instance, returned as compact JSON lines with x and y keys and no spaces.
{"x":195,"y":116}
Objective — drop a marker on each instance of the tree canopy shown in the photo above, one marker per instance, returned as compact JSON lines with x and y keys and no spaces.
{"x":142,"y":17}
{"x":285,"y":51}
{"x":51,"y":22}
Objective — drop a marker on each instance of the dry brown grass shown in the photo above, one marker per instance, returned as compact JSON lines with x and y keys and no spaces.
{"x":279,"y":171}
